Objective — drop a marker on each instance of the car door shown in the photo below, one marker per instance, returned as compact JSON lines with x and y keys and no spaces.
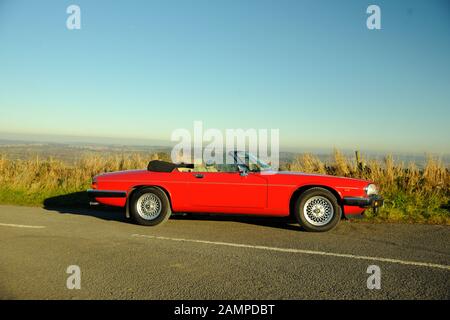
{"x":227,"y":190}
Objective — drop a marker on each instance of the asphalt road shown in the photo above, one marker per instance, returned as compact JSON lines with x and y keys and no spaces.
{"x":215,"y":257}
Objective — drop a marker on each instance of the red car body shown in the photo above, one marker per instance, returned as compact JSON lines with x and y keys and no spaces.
{"x":230,"y":192}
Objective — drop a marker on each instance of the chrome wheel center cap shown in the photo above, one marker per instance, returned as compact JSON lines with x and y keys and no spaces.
{"x":318,"y":211}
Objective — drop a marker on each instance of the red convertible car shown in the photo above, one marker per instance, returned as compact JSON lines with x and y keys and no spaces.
{"x":247,"y":186}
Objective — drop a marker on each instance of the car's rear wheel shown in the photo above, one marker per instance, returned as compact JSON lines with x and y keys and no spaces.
{"x":149,"y":206}
{"x":318,"y":210}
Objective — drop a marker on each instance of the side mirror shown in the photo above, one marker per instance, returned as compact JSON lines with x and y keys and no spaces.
{"x":243,"y":171}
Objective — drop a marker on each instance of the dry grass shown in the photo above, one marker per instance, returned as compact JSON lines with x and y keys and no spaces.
{"x":30,"y":182}
{"x":412,"y":194}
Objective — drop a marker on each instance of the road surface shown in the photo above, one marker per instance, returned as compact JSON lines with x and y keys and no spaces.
{"x":215,"y":257}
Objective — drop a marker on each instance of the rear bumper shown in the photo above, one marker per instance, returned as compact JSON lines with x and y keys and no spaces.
{"x":93,"y":194}
{"x":374,"y":201}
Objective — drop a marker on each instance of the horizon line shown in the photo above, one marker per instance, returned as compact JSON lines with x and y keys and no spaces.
{"x":142,"y":142}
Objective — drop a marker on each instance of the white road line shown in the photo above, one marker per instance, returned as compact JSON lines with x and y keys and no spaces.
{"x":20,"y":226}
{"x":320,"y":253}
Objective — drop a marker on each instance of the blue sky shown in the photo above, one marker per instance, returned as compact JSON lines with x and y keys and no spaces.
{"x":140,"y":69}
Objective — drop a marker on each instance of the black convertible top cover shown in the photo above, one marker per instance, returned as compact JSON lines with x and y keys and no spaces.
{"x":164,"y":166}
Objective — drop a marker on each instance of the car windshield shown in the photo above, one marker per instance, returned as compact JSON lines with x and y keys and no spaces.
{"x":251,"y":161}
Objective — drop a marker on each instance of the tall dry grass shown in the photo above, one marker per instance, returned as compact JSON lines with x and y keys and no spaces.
{"x":412,"y":194}
{"x":30,"y":182}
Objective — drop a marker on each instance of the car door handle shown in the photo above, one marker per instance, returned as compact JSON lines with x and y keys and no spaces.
{"x":198,"y":176}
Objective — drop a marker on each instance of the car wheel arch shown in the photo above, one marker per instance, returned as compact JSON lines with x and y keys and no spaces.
{"x":135,"y":188}
{"x":300,"y":190}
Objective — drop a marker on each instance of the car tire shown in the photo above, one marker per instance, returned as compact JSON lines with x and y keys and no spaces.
{"x":149,"y":206}
{"x":317,"y":210}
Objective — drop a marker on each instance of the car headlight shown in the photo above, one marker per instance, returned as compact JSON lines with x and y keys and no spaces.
{"x":371,"y":189}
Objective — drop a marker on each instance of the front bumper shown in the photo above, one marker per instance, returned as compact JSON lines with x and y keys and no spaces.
{"x":373,"y":201}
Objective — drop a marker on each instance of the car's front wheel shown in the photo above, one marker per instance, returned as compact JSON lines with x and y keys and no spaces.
{"x":149,"y":206}
{"x":317,"y":209}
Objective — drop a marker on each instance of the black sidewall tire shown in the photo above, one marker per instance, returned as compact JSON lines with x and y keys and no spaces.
{"x":165,"y":207}
{"x":312,"y":193}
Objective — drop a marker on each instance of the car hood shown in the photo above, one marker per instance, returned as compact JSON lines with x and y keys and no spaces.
{"x":295,"y":173}
{"x":323,"y":177}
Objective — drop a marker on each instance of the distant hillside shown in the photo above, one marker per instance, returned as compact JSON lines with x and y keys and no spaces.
{"x":21,"y":150}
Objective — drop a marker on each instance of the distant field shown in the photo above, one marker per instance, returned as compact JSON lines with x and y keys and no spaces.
{"x":36,"y":174}
{"x":70,"y":153}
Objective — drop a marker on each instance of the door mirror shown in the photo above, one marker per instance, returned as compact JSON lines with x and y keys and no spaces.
{"x":243,"y":171}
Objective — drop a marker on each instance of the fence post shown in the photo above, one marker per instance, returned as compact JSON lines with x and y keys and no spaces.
{"x":359,"y":163}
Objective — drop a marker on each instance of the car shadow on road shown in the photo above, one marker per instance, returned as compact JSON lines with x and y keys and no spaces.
{"x":77,"y":203}
{"x":272,"y":222}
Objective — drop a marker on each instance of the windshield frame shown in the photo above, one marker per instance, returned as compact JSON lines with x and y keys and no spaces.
{"x":241,"y":156}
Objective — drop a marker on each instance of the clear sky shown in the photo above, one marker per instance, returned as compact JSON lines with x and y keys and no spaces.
{"x":140,"y":69}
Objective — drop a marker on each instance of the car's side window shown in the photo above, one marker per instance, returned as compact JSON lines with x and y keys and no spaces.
{"x":227,"y":167}
{"x":215,"y":168}
{"x":204,"y":168}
